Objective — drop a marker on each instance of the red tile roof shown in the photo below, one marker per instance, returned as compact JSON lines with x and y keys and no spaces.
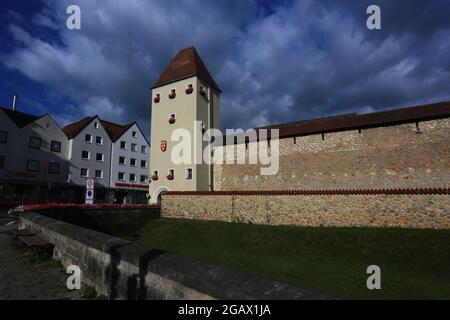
{"x":114,"y":130}
{"x":187,"y":63}
{"x":362,"y":121}
{"x":73,"y":129}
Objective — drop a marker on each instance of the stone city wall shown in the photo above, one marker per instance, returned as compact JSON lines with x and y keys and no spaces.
{"x":364,"y":208}
{"x":375,"y":158}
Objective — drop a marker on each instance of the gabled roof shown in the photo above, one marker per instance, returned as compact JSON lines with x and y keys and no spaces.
{"x":73,"y":129}
{"x":20,"y":119}
{"x":114,"y":130}
{"x":187,"y":63}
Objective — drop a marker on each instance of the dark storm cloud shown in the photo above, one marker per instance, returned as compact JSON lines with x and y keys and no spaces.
{"x":275,"y":62}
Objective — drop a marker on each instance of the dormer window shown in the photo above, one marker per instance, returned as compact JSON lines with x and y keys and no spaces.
{"x":172,"y":118}
{"x":172,"y":94}
{"x":189,"y":89}
{"x":96,"y":125}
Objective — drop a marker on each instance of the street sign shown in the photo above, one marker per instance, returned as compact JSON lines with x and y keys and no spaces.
{"x":89,"y":196}
{"x":90,"y":183}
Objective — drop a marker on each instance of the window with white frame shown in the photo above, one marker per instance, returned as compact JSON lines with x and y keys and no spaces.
{"x":133,"y":162}
{"x":98,"y":174}
{"x":88,"y":138}
{"x":144,"y":149}
{"x":123,"y":145}
{"x":134,"y":134}
{"x":132,"y":177}
{"x":121,"y":176}
{"x":84,"y":172}
{"x":143,"y":178}
{"x":99,"y":140}
{"x":143,"y":164}
{"x":55,"y":146}
{"x":3,"y":136}
{"x":134,"y":147}
{"x":33,"y":165}
{"x":122,"y":161}
{"x":35,"y":143}
{"x":53,"y":168}
{"x":99,"y":157}
{"x":85,"y":155}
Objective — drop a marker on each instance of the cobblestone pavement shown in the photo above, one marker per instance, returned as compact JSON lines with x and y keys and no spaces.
{"x":21,"y":280}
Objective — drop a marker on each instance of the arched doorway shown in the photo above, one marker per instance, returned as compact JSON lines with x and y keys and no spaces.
{"x":157,"y":195}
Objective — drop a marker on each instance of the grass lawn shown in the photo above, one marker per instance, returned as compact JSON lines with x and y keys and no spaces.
{"x":415,"y":264}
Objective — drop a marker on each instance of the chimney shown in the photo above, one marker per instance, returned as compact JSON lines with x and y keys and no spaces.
{"x":14,"y":102}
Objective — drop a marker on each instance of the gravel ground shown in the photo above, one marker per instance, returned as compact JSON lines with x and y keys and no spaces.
{"x":22,"y":280}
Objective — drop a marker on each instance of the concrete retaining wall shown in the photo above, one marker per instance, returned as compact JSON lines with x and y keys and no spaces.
{"x":116,"y":221}
{"x":316,"y":210}
{"x":121,"y":269}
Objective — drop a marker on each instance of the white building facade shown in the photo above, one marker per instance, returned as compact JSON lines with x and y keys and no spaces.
{"x":33,"y":157}
{"x":39,"y":161}
{"x":116,"y":156}
{"x":130,"y":166}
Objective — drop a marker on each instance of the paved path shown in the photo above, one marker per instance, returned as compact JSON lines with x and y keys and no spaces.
{"x":21,"y":280}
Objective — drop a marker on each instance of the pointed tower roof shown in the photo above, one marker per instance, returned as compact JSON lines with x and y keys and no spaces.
{"x":187,"y":63}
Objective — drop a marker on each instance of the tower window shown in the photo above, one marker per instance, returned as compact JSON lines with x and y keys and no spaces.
{"x":157,"y":98}
{"x":172,"y":118}
{"x":172,"y":94}
{"x":189,"y":174}
{"x":189,"y":89}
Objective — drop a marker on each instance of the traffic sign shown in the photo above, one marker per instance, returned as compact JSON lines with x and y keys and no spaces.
{"x":90,"y":184}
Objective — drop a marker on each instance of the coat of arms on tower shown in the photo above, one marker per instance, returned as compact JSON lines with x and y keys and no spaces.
{"x":163,"y":145}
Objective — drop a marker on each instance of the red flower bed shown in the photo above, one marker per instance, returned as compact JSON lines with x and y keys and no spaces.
{"x":155,"y":178}
{"x":189,"y":90}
